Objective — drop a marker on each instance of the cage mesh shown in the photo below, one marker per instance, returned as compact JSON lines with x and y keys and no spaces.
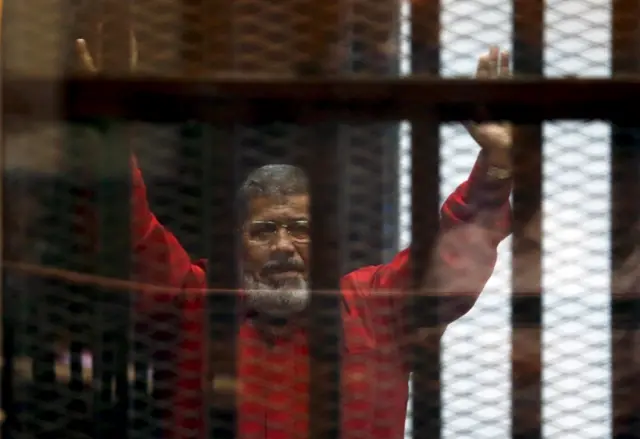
{"x":97,"y":342}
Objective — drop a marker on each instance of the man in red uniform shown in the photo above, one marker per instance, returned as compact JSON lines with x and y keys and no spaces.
{"x":271,"y":381}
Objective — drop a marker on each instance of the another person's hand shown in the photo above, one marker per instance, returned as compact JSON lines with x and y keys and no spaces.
{"x":495,"y":138}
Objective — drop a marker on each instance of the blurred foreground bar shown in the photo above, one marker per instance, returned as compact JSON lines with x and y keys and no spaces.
{"x":424,"y":305}
{"x":111,"y":173}
{"x":526,"y":297}
{"x":625,"y":219}
{"x":170,"y":100}
{"x":220,"y":238}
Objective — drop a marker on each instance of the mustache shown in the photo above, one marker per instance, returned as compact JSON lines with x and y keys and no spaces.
{"x":280,"y":266}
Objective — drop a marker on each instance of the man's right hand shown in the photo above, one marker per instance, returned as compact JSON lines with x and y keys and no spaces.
{"x":93,"y":65}
{"x":86,"y":60}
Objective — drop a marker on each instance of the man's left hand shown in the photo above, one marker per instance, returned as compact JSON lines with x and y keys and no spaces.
{"x":495,"y":138}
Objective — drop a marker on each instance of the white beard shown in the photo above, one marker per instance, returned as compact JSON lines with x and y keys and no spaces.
{"x":290,"y":297}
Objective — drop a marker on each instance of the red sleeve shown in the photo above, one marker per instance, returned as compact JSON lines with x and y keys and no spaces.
{"x":171,"y":317}
{"x":161,"y":266}
{"x":159,"y":259}
{"x":475,"y":218}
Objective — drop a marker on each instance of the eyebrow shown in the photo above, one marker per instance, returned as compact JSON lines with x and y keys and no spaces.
{"x":276,"y":221}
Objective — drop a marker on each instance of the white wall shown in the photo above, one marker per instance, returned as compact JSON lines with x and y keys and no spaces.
{"x":576,"y":359}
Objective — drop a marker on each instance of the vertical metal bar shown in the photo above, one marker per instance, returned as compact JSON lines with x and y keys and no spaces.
{"x":207,"y":42}
{"x":7,"y":347}
{"x":625,"y":220}
{"x":325,"y":320}
{"x":113,"y":309}
{"x":325,"y":325}
{"x":5,"y":354}
{"x":112,"y":199}
{"x":7,"y":344}
{"x":223,"y":274}
{"x":424,"y":300}
{"x":315,"y":45}
{"x":80,"y":299}
{"x":526,"y":315}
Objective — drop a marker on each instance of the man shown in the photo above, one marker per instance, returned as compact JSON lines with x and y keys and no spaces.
{"x":272,"y":351}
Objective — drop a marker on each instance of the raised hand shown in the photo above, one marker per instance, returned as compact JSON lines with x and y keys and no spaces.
{"x":495,"y":138}
{"x":93,"y":65}
{"x":86,"y":60}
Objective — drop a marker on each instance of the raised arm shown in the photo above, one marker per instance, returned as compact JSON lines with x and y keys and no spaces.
{"x":159,"y":259}
{"x":172,"y":329}
{"x":474,"y":219}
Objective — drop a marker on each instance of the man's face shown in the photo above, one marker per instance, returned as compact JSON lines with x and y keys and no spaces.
{"x":276,"y":250}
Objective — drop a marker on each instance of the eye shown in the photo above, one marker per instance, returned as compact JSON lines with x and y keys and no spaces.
{"x":261,"y":231}
{"x":299,"y":230}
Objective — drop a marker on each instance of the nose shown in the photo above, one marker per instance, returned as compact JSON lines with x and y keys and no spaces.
{"x":283,"y":243}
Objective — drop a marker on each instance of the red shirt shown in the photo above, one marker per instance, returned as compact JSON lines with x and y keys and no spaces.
{"x":272,"y":380}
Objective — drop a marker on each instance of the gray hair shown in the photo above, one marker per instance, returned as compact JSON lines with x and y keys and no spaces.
{"x":271,"y":181}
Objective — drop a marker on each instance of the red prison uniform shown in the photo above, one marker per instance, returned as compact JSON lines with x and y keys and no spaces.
{"x":272,"y":384}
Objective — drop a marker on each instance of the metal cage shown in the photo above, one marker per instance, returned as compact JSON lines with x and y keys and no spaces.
{"x":209,"y":109}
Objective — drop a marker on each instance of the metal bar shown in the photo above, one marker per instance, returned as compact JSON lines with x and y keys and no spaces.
{"x":112,"y":319}
{"x":81,"y":300}
{"x":85,"y":24}
{"x":625,"y":220}
{"x":174,"y":100}
{"x":323,"y":168}
{"x":112,"y":175}
{"x":424,"y":315}
{"x":7,"y":337}
{"x":223,"y":274}
{"x":325,"y":323}
{"x":526,"y":314}
{"x":7,"y":348}
{"x":208,"y":42}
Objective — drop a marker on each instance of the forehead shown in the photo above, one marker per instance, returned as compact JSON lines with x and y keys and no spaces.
{"x":279,"y":208}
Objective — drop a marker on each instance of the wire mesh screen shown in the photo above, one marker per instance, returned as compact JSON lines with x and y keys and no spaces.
{"x":140,"y":259}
